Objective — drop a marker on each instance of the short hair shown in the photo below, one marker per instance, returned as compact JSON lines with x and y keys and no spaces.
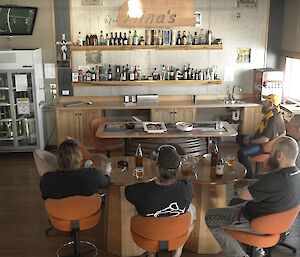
{"x":69,"y":156}
{"x":288,"y":146}
{"x":296,"y":120}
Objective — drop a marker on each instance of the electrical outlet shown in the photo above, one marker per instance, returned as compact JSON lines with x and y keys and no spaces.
{"x":53,"y":86}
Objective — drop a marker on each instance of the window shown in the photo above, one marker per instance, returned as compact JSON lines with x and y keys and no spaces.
{"x":291,"y":78}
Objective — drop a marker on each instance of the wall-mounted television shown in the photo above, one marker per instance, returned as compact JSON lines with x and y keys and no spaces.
{"x":16,"y":20}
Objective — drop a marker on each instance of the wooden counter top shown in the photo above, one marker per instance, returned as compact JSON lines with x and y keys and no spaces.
{"x":161,"y":104}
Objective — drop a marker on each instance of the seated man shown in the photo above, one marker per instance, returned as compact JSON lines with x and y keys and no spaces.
{"x":276,"y":191}
{"x":70,"y":179}
{"x":293,"y":130}
{"x":164,"y":196}
{"x":271,"y":126}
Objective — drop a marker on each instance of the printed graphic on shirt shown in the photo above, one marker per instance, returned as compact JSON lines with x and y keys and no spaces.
{"x":172,"y":210}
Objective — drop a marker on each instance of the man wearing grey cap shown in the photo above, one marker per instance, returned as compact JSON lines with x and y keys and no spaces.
{"x":164,"y":196}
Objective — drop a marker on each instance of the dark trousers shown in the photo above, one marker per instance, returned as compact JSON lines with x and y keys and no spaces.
{"x":246,"y":152}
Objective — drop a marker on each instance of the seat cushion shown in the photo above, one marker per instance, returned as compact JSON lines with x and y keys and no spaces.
{"x":45,"y":161}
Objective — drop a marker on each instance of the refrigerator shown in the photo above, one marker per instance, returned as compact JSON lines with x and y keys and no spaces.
{"x":22,"y":99}
{"x":267,"y":81}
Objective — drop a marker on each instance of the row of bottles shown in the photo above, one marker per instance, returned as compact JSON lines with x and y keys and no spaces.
{"x":151,"y":37}
{"x":132,"y":73}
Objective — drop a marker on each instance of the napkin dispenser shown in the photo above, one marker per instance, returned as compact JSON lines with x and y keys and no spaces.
{"x":149,"y":98}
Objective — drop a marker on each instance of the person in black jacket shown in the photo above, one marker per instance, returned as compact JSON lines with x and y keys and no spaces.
{"x":164,"y":196}
{"x":71,"y":179}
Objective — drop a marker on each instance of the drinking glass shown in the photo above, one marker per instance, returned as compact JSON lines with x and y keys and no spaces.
{"x":230,"y":161}
{"x":138,"y":172}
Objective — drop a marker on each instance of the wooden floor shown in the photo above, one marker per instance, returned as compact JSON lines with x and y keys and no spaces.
{"x":23,"y":219}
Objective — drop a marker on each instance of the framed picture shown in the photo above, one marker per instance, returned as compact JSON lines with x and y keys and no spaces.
{"x":154,"y":127}
{"x":91,"y":2}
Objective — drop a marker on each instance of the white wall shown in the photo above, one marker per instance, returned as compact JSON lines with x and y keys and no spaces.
{"x":291,"y":26}
{"x":250,"y":30}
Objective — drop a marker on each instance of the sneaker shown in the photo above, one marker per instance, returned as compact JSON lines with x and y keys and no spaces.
{"x":259,"y":252}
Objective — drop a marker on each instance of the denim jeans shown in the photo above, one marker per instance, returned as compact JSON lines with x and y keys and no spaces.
{"x":219,"y":219}
{"x":246,"y":152}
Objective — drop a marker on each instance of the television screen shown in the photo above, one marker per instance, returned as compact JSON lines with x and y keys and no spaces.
{"x":16,"y":20}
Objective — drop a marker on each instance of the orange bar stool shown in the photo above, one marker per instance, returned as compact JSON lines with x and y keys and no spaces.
{"x":160,"y":234}
{"x":270,"y":227}
{"x":74,"y":214}
{"x":104,"y":144}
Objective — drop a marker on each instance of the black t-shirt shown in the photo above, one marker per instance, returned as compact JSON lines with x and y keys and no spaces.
{"x":151,"y":199}
{"x":275,"y":127}
{"x":60,"y":184}
{"x":274,"y":192}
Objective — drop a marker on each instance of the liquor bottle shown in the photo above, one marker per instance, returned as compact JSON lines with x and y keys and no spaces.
{"x":131,"y":74}
{"x":93,"y":74}
{"x":163,"y":73}
{"x":101,"y":38}
{"x":155,"y":74}
{"x":214,"y":154}
{"x":184,"y":40}
{"x":111,"y":40}
{"x":135,"y":40}
{"x":120,"y":39}
{"x":125,"y":40}
{"x":116,"y":40}
{"x":139,"y":73}
{"x":87,"y":40}
{"x":190,"y":38}
{"x":142,"y":41}
{"x":178,"y":40}
{"x":129,"y":38}
{"x":185,"y":73}
{"x":172,"y":74}
{"x":109,"y":73}
{"x":107,"y":40}
{"x":139,"y":157}
{"x":192,"y":76}
{"x":202,"y":38}
{"x":178,"y":75}
{"x":159,"y":38}
{"x":123,"y":76}
{"x":79,"y":40}
{"x":209,"y":37}
{"x":135,"y":73}
{"x":173,"y":37}
{"x":127,"y":72}
{"x":189,"y":72}
{"x":97,"y":73}
{"x":95,"y":40}
{"x":168,"y":73}
{"x":88,"y":75}
{"x":196,"y":39}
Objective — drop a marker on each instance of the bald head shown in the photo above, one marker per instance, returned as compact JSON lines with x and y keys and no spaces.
{"x":286,"y":151}
{"x":293,"y":127}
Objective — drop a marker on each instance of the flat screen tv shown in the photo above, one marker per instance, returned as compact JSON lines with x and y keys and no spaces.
{"x":16,"y":20}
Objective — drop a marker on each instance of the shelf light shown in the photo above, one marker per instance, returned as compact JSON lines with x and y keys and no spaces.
{"x":135,"y":9}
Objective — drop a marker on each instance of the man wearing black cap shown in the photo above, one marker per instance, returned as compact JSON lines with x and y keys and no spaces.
{"x":164,"y":196}
{"x":271,"y":126}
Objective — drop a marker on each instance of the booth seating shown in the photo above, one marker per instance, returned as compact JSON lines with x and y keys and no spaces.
{"x":160,"y":234}
{"x":74,"y":214}
{"x":271,"y":230}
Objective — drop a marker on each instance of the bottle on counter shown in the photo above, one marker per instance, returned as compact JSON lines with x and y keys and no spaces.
{"x":101,"y":38}
{"x":214,"y":154}
{"x":111,"y":40}
{"x":196,"y":39}
{"x":125,"y":40}
{"x":129,"y":38}
{"x":139,"y":157}
{"x":120,"y":40}
{"x":184,"y":40}
{"x":109,"y":73}
{"x":190,"y":38}
{"x":107,"y":40}
{"x":79,"y":40}
{"x":116,"y":40}
{"x":209,"y":37}
{"x":135,"y":40}
{"x":178,"y":40}
{"x":87,"y":40}
{"x":202,"y":39}
{"x":93,"y":74}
